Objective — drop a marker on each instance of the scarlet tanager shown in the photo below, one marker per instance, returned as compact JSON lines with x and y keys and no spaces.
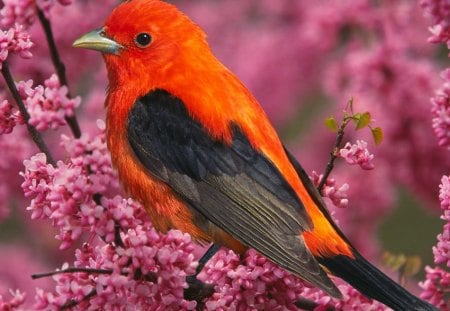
{"x":193,"y":145}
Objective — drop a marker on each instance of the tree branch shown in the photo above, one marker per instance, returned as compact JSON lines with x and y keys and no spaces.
{"x":59,"y":66}
{"x":333,"y":156}
{"x":73,"y":303}
{"x":71,"y":270}
{"x":34,"y":133}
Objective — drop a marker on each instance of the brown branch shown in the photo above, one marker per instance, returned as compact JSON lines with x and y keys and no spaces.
{"x":198,"y":291}
{"x":149,"y":277}
{"x":333,"y":156}
{"x":71,"y":270}
{"x":59,"y":66}
{"x":34,"y":133}
{"x":73,"y":303}
{"x":117,"y":238}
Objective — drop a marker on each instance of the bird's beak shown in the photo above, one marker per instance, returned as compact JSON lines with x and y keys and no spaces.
{"x":97,"y":40}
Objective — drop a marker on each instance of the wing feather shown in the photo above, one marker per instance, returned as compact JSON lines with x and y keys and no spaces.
{"x":234,"y":186}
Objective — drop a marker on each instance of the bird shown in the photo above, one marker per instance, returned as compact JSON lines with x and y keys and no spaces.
{"x":192,"y":144}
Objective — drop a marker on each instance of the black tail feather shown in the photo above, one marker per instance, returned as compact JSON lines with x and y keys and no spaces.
{"x":373,"y":283}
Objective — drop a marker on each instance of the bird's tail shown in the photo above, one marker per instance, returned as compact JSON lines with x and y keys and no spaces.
{"x":373,"y":283}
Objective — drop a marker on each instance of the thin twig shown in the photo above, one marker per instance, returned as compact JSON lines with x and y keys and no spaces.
{"x":333,"y":156}
{"x":117,"y":238}
{"x":71,"y":270}
{"x":198,"y":291}
{"x":59,"y":66}
{"x":34,"y":133}
{"x":149,"y":277}
{"x":212,"y":250}
{"x":73,"y":303}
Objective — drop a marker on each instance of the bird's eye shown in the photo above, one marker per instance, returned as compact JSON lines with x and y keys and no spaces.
{"x":142,"y":40}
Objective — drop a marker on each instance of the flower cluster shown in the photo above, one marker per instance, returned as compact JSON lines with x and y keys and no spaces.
{"x":14,"y":40}
{"x":56,"y":193}
{"x":147,"y":269}
{"x":435,"y":286}
{"x":437,"y":281}
{"x":351,"y":299}
{"x":67,"y":193}
{"x":21,"y":12}
{"x":253,"y":282}
{"x":331,"y":190}
{"x":439,"y":13}
{"x":440,"y":108}
{"x":16,"y":301}
{"x":442,"y":250}
{"x":48,"y":105}
{"x":8,"y":117}
{"x":357,"y":154}
{"x":24,"y":11}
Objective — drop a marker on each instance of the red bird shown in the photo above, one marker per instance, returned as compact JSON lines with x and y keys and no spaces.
{"x":193,"y":145}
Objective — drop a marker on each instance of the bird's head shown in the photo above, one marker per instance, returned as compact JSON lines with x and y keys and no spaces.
{"x":144,"y":40}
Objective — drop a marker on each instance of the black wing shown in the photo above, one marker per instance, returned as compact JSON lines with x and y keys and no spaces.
{"x":235,"y":187}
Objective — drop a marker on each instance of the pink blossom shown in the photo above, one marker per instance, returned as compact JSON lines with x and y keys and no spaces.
{"x":442,"y":250}
{"x":439,"y":13}
{"x":444,"y":195}
{"x":253,"y":283}
{"x":437,"y":10}
{"x":437,"y":281}
{"x":66,"y":193}
{"x":351,"y":300}
{"x":435,"y":287}
{"x":22,"y":12}
{"x":439,"y":34}
{"x":25,"y":11}
{"x":357,"y":154}
{"x":7,"y":117}
{"x":47,"y":105}
{"x":440,"y":108}
{"x":15,"y":40}
{"x":148,"y":270}
{"x":16,"y":301}
{"x":337,"y":194}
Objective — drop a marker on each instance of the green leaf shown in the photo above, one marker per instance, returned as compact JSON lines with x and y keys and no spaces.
{"x":394,"y":261}
{"x":331,"y":124}
{"x":355,"y":118}
{"x":377,"y":134}
{"x":412,"y":266}
{"x":363,"y":121}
